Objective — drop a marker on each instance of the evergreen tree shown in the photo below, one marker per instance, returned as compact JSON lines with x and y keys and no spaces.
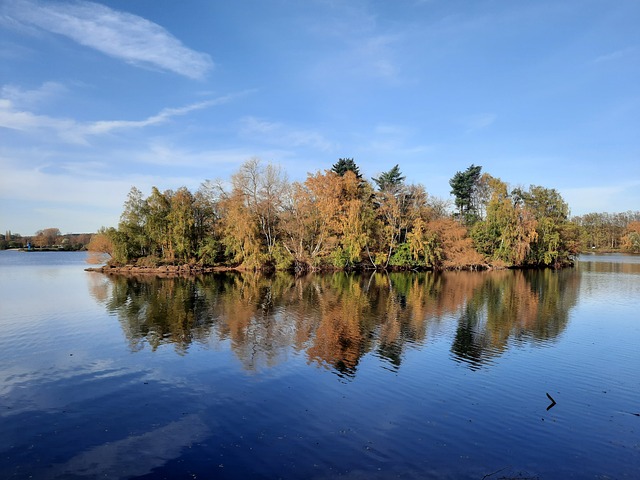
{"x":389,"y":181}
{"x":345,"y":165}
{"x":463,"y":187}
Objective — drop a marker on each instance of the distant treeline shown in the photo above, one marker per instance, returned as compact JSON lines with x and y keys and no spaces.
{"x":610,"y":231}
{"x":46,"y":239}
{"x":338,"y":219}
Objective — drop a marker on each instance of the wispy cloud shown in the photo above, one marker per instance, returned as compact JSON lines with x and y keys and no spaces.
{"x":118,"y":34}
{"x":614,"y":55}
{"x":31,"y":98}
{"x":106,"y":126}
{"x":479,"y":121}
{"x":71,"y":131}
{"x":26,"y":121}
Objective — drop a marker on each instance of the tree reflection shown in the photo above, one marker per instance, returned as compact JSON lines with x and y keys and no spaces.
{"x":334,"y":320}
{"x":160,"y":310}
{"x":513,"y":307}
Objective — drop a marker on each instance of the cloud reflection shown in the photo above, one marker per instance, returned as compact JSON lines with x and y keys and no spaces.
{"x":138,"y":454}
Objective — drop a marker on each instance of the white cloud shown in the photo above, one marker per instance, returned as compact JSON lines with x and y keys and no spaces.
{"x":106,"y":126}
{"x":71,"y":131}
{"x":24,"y":121}
{"x":31,"y":98}
{"x":118,"y":34}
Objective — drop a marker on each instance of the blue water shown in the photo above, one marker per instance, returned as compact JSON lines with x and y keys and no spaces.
{"x":398,"y":376}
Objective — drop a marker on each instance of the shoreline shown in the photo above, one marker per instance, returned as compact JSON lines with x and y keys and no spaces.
{"x":165,"y":270}
{"x":195,"y":270}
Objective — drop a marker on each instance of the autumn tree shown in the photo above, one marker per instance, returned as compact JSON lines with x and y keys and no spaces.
{"x":631,"y":239}
{"x":101,"y":242}
{"x":397,"y":206}
{"x":354,"y":220}
{"x":425,"y":245}
{"x":329,"y":218}
{"x":553,"y":245}
{"x":309,"y":218}
{"x":239,"y":233}
{"x":47,"y":237}
{"x":603,"y":230}
{"x":252,"y":212}
{"x":443,"y":243}
{"x":457,"y":246}
{"x":507,"y":232}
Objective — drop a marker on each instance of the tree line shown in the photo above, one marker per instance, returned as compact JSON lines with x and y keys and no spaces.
{"x":47,"y":238}
{"x":336,"y":219}
{"x":609,"y":231}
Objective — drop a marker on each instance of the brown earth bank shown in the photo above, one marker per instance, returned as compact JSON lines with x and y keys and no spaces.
{"x":191,"y":269}
{"x":194,"y":269}
{"x":164,"y":270}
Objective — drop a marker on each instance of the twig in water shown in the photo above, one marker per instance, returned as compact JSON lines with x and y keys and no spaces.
{"x":497,"y":471}
{"x":553,"y":402}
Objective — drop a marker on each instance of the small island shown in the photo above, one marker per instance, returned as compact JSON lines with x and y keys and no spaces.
{"x":338,"y":220}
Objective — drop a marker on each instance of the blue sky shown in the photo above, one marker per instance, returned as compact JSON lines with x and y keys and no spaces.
{"x":96,"y":97}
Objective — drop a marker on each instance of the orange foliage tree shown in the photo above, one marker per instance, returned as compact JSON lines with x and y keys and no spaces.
{"x":631,"y":239}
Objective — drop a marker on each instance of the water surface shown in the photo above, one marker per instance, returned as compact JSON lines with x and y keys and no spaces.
{"x":360,"y":376}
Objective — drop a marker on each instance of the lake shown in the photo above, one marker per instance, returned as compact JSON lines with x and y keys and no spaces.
{"x":461,"y":375}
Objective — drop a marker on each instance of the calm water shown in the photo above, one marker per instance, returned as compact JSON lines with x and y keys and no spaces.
{"x":353,"y":376}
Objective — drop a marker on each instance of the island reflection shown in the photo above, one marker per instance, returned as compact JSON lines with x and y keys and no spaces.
{"x":336,"y":319}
